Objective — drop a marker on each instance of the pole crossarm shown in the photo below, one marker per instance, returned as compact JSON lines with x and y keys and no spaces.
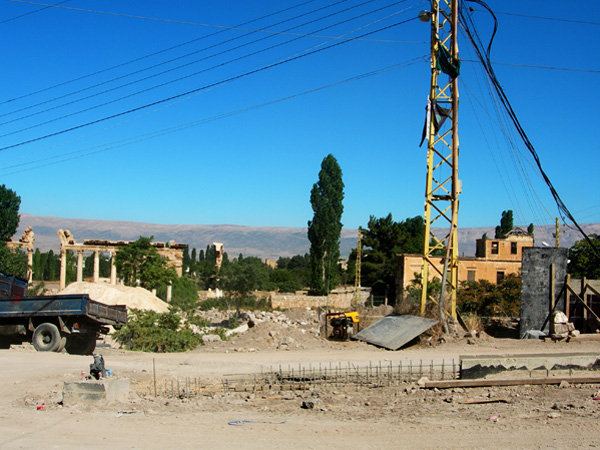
{"x":442,"y":184}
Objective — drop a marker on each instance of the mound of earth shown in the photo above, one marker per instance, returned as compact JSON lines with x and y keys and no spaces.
{"x":294,"y":329}
{"x":132,"y":297}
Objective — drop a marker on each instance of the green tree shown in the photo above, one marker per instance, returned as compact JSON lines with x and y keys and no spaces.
{"x":184,"y":296}
{"x":9,"y":213}
{"x":13,"y":263}
{"x":530,"y":229}
{"x":584,"y":258}
{"x":10,"y":263}
{"x":325,"y":228}
{"x":382,"y":241}
{"x":506,"y":224}
{"x":140,"y":261}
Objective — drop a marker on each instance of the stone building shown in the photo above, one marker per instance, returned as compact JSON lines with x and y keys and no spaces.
{"x":494,"y":259}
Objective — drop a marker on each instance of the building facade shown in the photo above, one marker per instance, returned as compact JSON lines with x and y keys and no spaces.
{"x":494,"y":259}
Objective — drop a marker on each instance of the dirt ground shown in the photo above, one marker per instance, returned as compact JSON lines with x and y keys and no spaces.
{"x":402,"y":416}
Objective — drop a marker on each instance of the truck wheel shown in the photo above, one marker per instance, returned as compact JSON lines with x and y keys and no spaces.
{"x":80,"y":346}
{"x":46,"y":338}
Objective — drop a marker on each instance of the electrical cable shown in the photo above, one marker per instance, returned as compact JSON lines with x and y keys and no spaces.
{"x":33,"y":12}
{"x":140,"y":138}
{"x":536,"y":67}
{"x":199,"y":89}
{"x":161,"y":64}
{"x":184,"y":65}
{"x":151,"y":54}
{"x":485,"y":57}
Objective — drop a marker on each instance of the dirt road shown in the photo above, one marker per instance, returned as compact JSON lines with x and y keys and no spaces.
{"x":528,"y":417}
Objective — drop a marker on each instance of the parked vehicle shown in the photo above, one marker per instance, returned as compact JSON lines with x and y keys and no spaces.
{"x":54,"y":322}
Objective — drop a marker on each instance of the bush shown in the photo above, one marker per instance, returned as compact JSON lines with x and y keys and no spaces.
{"x":249,"y":302}
{"x":485,"y":299}
{"x":149,"y":331}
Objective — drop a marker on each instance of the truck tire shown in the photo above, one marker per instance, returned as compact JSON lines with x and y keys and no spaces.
{"x":46,"y":338}
{"x":80,"y":346}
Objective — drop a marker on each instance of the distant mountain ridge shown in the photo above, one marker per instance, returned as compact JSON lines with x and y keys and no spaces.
{"x":262,"y":242}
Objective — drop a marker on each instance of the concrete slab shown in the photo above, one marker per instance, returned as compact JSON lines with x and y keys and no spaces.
{"x":104,"y":391}
{"x":485,"y":366}
{"x":395,"y":330}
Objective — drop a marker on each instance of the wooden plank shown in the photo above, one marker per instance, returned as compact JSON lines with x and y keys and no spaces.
{"x":590,"y":310}
{"x":595,"y":379}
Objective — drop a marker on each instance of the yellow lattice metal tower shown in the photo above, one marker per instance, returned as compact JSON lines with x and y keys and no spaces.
{"x":358,"y":267}
{"x":442,"y":185}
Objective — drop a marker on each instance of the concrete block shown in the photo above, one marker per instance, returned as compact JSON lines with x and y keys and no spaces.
{"x":486,"y":366}
{"x":96,"y":392}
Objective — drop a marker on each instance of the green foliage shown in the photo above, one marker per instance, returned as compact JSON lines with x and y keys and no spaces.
{"x":325,"y":228}
{"x":149,"y":331}
{"x":249,"y":303}
{"x":240,"y":278}
{"x":530,"y":229}
{"x":13,"y":263}
{"x":184,"y":295}
{"x":9,"y":213}
{"x":584,"y":258}
{"x":506,"y":224}
{"x":37,"y":290}
{"x":140,"y":261}
{"x":486,"y":299}
{"x":382,"y":241}
{"x":103,"y":265}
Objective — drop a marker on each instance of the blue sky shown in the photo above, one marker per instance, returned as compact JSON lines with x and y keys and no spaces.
{"x":247,"y":151}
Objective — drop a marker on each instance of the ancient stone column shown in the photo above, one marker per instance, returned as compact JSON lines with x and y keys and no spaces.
{"x":113,"y":269}
{"x":169,"y":289}
{"x":96,"y":266}
{"x":30,"y":265}
{"x":79,"y":265}
{"x":63,"y":269}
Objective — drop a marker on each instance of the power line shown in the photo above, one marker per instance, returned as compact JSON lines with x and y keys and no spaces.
{"x":535,"y":66}
{"x":33,"y":12}
{"x":485,"y":57}
{"x":152,"y":54}
{"x":140,"y":138}
{"x":541,"y":17}
{"x":187,"y":64}
{"x":193,"y":91}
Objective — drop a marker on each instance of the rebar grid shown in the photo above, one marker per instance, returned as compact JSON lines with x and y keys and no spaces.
{"x":373,"y":375}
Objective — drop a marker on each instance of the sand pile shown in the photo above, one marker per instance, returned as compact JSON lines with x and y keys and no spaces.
{"x":132,"y":297}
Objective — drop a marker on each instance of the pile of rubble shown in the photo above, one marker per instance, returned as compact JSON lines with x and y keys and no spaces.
{"x":289,"y":330}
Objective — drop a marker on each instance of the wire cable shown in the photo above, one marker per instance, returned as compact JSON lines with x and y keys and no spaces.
{"x":202,"y":88}
{"x":485,"y":57}
{"x":151,"y":54}
{"x":184,"y":65}
{"x":52,"y":160}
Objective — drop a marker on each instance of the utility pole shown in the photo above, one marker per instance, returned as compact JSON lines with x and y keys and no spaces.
{"x":557,"y":233}
{"x":442,"y":184}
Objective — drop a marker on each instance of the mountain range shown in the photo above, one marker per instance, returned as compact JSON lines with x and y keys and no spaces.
{"x":262,"y":242}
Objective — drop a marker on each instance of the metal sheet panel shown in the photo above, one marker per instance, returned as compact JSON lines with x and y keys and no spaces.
{"x":395,"y":330}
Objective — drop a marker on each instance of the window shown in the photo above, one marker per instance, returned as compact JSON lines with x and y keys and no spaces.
{"x":470,"y":275}
{"x":499,"y":277}
{"x":513,"y":248}
{"x":494,"y":248}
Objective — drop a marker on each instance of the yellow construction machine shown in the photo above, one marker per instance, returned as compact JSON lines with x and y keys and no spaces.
{"x":343,"y":325}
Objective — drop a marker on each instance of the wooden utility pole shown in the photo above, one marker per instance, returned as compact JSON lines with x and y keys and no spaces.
{"x":442,"y":184}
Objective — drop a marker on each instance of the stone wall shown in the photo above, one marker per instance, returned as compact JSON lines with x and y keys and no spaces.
{"x":536,"y":292}
{"x":342,"y":301}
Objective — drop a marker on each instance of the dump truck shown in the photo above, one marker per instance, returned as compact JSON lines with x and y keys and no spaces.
{"x":54,"y":322}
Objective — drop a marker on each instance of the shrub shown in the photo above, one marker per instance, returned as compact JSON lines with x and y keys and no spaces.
{"x":150,"y":331}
